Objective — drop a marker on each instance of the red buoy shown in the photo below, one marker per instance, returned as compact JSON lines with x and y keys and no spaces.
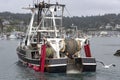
{"x":87,"y":50}
{"x":42,"y":60}
{"x":30,"y":65}
{"x":36,"y":68}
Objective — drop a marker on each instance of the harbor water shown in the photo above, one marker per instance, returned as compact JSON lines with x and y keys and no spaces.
{"x":102,"y":48}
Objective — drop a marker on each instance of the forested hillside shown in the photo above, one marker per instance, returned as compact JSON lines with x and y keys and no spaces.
{"x":84,"y":22}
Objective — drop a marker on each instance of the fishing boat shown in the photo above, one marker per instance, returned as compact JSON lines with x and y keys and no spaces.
{"x":46,"y":49}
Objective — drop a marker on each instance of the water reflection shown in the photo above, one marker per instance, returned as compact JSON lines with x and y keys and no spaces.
{"x":102,"y":49}
{"x":26,"y":73}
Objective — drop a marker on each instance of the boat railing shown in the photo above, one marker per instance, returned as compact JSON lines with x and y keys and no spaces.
{"x":47,"y":31}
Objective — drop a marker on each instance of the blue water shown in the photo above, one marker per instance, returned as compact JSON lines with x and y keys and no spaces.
{"x":101,"y":48}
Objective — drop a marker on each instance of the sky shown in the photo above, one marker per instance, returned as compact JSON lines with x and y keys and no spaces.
{"x":75,"y":7}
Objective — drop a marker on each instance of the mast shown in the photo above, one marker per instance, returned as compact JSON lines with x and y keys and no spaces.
{"x":40,"y":6}
{"x":29,"y":31}
{"x":47,"y":12}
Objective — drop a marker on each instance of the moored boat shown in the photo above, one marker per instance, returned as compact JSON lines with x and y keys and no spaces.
{"x":45,"y":48}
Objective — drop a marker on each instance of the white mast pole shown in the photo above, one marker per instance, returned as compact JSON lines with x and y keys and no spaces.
{"x":54,"y":24}
{"x":31,"y":25}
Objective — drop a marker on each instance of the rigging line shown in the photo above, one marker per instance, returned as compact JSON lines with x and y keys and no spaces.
{"x":69,"y":15}
{"x":41,"y":20}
